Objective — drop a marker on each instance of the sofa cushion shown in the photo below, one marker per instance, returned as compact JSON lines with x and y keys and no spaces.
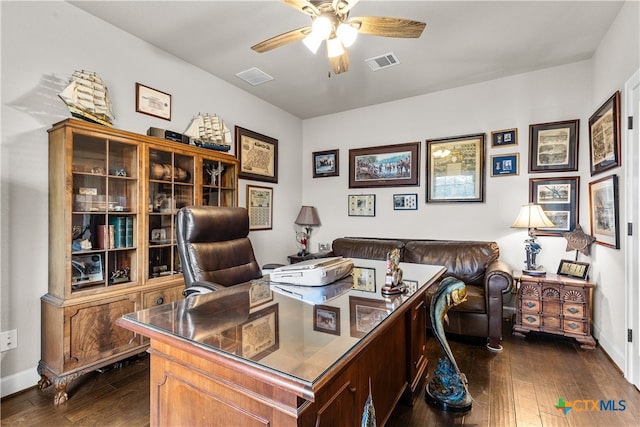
{"x":465,"y":260}
{"x":366,"y":247}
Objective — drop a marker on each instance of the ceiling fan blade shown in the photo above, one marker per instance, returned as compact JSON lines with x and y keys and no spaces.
{"x":388,"y":27}
{"x":304,"y":6}
{"x":343,"y":6}
{"x":340,"y":64}
{"x":282,"y":39}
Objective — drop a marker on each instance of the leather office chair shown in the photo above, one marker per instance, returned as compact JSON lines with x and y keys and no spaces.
{"x":214,"y":248}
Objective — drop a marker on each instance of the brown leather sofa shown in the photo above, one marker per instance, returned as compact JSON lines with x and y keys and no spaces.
{"x":476,"y":263}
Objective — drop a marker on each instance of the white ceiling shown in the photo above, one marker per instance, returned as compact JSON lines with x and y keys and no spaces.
{"x":464,"y":42}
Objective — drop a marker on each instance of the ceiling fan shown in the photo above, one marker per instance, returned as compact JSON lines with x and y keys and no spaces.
{"x":331,"y":22}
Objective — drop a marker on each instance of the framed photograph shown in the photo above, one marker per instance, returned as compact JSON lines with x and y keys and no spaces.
{"x":326,"y":319}
{"x":364,"y":279}
{"x":573,"y":269}
{"x":455,"y":169}
{"x":558,"y":198}
{"x":326,"y":163}
{"x":259,"y":293}
{"x":603,"y":208}
{"x":504,"y":138}
{"x":258,"y":155}
{"x":386,"y":166}
{"x":405,"y":202}
{"x":259,"y":335}
{"x":604,"y":136}
{"x":153,"y":102}
{"x":260,"y":207}
{"x":553,"y":147}
{"x":365,"y":314}
{"x":505,"y":164}
{"x":362,"y":205}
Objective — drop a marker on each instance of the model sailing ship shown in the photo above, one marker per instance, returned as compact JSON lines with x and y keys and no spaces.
{"x":86,"y":97}
{"x":209,"y":131}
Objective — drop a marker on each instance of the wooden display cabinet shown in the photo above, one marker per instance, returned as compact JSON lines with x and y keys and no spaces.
{"x":557,"y":305}
{"x":113,"y":196}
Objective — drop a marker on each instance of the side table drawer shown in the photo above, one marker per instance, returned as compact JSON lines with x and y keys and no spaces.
{"x":530,"y":305}
{"x":574,"y":327}
{"x":574,"y":310}
{"x":551,"y":308}
{"x":551,"y":323}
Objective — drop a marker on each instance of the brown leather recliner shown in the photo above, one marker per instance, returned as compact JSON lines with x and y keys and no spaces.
{"x":214,"y":247}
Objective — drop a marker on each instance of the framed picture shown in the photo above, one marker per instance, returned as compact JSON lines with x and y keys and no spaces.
{"x":604,"y":136}
{"x":362,"y":205}
{"x":260,"y":207}
{"x":259,"y":335}
{"x":455,"y":169}
{"x":153,"y":102}
{"x":364,"y":279}
{"x":603,"y":207}
{"x":365,"y":314}
{"x":505,"y":164}
{"x":258,"y":155}
{"x":504,"y":138}
{"x":558,"y":198}
{"x":326,"y":163}
{"x":553,"y":147}
{"x":573,"y":269}
{"x":386,"y":166}
{"x":405,"y":202}
{"x":259,"y":293}
{"x":326,"y":319}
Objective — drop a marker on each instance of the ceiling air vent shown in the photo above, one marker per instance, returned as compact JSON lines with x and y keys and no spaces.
{"x":384,"y":61}
{"x":254,"y":76}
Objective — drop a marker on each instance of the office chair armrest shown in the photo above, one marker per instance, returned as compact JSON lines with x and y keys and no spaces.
{"x":268,"y":268}
{"x":199,"y":287}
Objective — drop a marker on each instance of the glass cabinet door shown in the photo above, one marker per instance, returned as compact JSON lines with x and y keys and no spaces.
{"x":218,"y":183}
{"x":170,"y":188}
{"x":103,"y":218}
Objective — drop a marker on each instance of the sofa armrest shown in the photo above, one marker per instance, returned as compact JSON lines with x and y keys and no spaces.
{"x":498,"y":278}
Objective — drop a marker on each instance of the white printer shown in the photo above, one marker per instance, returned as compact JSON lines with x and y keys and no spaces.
{"x":313,"y":272}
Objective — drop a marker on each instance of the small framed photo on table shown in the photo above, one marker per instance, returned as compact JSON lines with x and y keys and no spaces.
{"x":573,"y":269}
{"x":326,"y":319}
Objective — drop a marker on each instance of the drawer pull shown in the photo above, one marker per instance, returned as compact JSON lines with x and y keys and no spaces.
{"x":159,"y":301}
{"x":572,"y":310}
{"x":530,"y":304}
{"x":573,"y":325}
{"x":530,"y":319}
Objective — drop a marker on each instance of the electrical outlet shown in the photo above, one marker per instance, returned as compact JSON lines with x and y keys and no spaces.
{"x":324,"y":247}
{"x":8,"y":340}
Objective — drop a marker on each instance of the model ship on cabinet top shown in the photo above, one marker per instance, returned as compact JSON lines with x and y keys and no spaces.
{"x":209,"y":131}
{"x":87,"y":98}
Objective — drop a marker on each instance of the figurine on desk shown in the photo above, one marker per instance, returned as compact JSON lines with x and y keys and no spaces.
{"x":393,"y":279}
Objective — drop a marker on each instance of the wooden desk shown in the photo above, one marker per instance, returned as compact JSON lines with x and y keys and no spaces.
{"x":279,"y":363}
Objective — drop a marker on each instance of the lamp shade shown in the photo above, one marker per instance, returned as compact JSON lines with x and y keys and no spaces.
{"x":308,"y":216}
{"x":532,"y":216}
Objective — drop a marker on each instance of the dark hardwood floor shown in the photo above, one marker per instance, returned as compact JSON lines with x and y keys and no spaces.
{"x":518,"y":387}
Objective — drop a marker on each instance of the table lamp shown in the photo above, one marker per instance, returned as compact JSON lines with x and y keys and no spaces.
{"x":308,"y":218}
{"x":532,"y":216}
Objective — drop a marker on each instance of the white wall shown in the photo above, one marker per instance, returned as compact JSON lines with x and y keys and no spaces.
{"x":572,"y":91}
{"x":42,"y":44}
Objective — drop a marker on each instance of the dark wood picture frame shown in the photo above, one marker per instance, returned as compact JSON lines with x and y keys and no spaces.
{"x":365,"y":314}
{"x":326,"y":319}
{"x":605,"y":146}
{"x":604,"y":211}
{"x":258,"y":155}
{"x":559,"y":199}
{"x":553,"y":147}
{"x":260,"y":207}
{"x":326,"y":163}
{"x":251,"y":349}
{"x":455,"y":169}
{"x":573,"y":269}
{"x":504,"y":138}
{"x":394,"y":165}
{"x":153,"y":102}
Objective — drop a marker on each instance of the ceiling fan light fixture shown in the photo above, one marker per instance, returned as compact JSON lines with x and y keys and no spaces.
{"x":312,"y":42}
{"x":322,"y":27}
{"x":334,"y":47}
{"x":347,"y":34}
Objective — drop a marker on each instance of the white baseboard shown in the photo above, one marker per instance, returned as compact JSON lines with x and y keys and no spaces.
{"x":19,"y":381}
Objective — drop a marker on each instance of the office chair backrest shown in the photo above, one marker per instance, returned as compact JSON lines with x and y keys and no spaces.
{"x":214,"y":246}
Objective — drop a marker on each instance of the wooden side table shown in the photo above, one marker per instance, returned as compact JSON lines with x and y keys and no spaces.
{"x":557,"y":305}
